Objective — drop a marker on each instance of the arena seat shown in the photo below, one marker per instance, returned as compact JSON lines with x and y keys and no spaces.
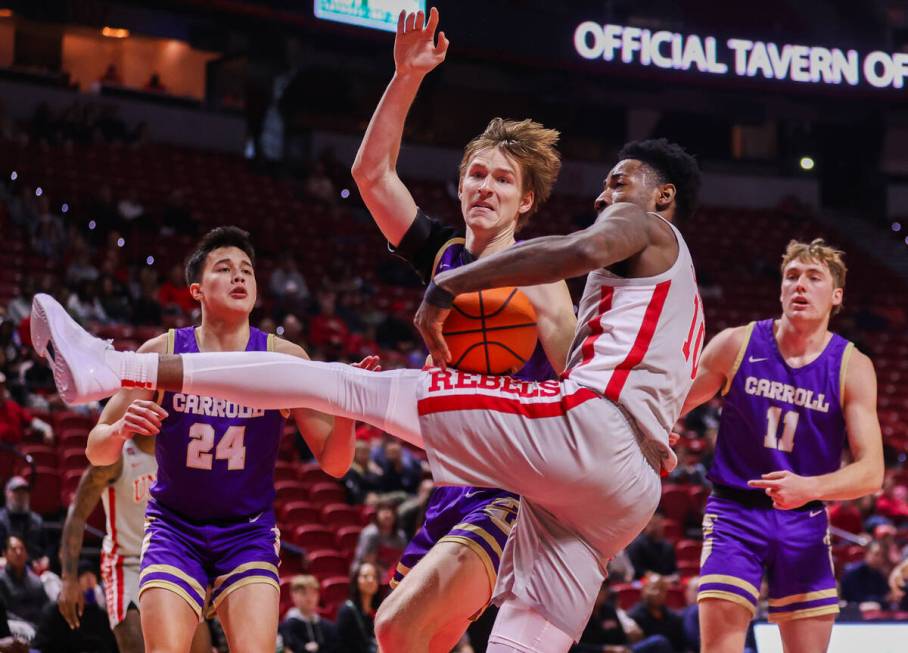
{"x":628,"y":595}
{"x":336,"y":515}
{"x":312,"y":537}
{"x":45,"y":490}
{"x":327,"y":563}
{"x":335,"y":590}
{"x":296,"y":513}
{"x":327,"y":493}
{"x":348,"y":537}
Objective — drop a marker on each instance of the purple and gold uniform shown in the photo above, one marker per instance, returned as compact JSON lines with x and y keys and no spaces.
{"x":774,"y":417}
{"x":210,"y":526}
{"x":479,"y":518}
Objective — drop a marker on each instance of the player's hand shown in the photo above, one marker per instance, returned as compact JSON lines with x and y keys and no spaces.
{"x":370,"y":363}
{"x":673,"y":438}
{"x":143,"y":417}
{"x":429,"y":321}
{"x":415,"y":51}
{"x":71,"y":602}
{"x":786,"y":489}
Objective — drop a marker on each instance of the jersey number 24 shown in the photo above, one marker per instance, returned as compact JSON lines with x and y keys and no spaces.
{"x":230,"y":447}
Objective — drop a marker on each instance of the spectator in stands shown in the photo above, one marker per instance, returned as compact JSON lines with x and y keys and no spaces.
{"x":174,"y":294}
{"x":20,"y":588}
{"x":10,"y":345}
{"x":16,"y":422}
{"x":20,"y":306}
{"x":293,"y":330}
{"x":360,"y":479}
{"x":130,"y":210}
{"x":17,"y":519}
{"x":111,"y":76}
{"x":146,"y":309}
{"x":651,"y":552}
{"x":36,"y":375}
{"x":288,"y":286}
{"x":898,"y":584}
{"x":176,"y":217}
{"x":867,"y":580}
{"x":93,"y":634}
{"x":689,"y":469}
{"x":620,"y":568}
{"x":303,"y":630}
{"x":103,"y":210}
{"x":319,"y":187}
{"x":23,"y":210}
{"x":382,"y":542}
{"x":81,"y":269}
{"x":327,"y":331}
{"x":846,"y":516}
{"x":893,"y":502}
{"x":412,"y":512}
{"x":886,"y":535}
{"x":85,"y":305}
{"x":356,"y":617}
{"x":611,"y":630}
{"x":399,"y":470}
{"x":48,"y":236}
{"x":690,"y":616}
{"x":114,"y":300}
{"x":154,"y":84}
{"x":652,"y":614}
{"x":8,"y":643}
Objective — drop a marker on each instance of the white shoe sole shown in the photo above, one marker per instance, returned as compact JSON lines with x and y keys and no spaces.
{"x":49,"y":340}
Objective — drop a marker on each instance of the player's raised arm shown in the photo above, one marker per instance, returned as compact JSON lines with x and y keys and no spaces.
{"x":622,"y":230}
{"x":128,"y":412}
{"x":375,"y":168}
{"x":71,"y":600}
{"x":716,"y":367}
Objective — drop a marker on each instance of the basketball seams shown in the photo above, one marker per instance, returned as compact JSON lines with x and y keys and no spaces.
{"x":485,"y":340}
{"x":504,"y":327}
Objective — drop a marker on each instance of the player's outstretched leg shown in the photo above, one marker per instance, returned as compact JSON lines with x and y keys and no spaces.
{"x":87,"y":368}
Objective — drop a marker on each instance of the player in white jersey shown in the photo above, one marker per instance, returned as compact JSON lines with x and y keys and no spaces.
{"x":584,"y":453}
{"x":123,"y":490}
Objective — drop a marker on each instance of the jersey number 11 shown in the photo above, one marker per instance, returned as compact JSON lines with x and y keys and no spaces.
{"x":790,"y":423}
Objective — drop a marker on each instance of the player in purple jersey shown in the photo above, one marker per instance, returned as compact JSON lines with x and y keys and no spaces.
{"x":505,"y":175}
{"x":210,"y":535}
{"x":794,"y":393}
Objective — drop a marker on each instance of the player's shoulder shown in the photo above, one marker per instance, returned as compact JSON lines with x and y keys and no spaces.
{"x":733,"y":338}
{"x":282,"y":346}
{"x":156,"y":345}
{"x":859,"y":365}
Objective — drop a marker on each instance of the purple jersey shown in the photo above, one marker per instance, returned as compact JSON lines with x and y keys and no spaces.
{"x":215,"y":458}
{"x":776,"y":417}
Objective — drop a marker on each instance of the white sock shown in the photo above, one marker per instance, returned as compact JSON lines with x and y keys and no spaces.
{"x":274,"y":381}
{"x":135,"y":370}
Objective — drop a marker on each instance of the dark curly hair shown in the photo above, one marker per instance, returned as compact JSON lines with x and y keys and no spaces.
{"x":673,"y":165}
{"x":215,"y":239}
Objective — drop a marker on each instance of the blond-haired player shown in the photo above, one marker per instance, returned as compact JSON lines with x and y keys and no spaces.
{"x":447,"y":573}
{"x":794,"y":394}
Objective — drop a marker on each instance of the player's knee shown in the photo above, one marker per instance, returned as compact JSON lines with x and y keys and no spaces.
{"x":396,"y":627}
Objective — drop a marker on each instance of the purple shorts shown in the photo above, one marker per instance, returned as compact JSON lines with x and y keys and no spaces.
{"x":478,"y":518}
{"x":792,"y":547}
{"x":204,"y":562}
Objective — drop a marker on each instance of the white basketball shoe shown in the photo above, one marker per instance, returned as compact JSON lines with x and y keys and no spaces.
{"x":81,"y":362}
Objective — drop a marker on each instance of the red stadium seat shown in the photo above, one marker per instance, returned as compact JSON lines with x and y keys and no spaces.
{"x":70,"y":482}
{"x":42,"y":454}
{"x":675,"y":598}
{"x":688,"y":550}
{"x":45,"y":486}
{"x":628,"y":595}
{"x":368,"y":514}
{"x":72,"y":420}
{"x":296,"y":513}
{"x":676,"y":502}
{"x":285,"y":600}
{"x":335,"y":590}
{"x":285,"y":471}
{"x":672,"y":530}
{"x":312,"y":474}
{"x":336,"y":515}
{"x":348,"y":537}
{"x":327,"y":563}
{"x":698,"y":495}
{"x":325,"y":493}
{"x":286,"y":491}
{"x":70,"y":438}
{"x":688,"y":568}
{"x":313,"y":538}
{"x":73,"y":458}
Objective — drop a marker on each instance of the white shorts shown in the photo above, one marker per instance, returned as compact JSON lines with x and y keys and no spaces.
{"x":120,"y":576}
{"x":586,"y":487}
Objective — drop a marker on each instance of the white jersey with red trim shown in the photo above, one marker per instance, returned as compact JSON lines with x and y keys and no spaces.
{"x":638,"y":342}
{"x":125,"y":500}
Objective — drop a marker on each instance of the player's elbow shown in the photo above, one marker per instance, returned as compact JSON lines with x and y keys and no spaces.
{"x":366,"y":174}
{"x":334,"y":469}
{"x":874,"y":478}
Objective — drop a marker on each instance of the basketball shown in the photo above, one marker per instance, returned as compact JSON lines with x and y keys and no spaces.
{"x":491,"y":331}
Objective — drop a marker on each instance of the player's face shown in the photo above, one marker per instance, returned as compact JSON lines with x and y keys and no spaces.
{"x":228,"y":282}
{"x":808,"y":291}
{"x":491,"y":192}
{"x":632,"y":181}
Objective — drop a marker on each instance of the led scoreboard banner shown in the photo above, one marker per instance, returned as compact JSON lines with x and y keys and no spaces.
{"x":377,"y":14}
{"x":736,"y":57}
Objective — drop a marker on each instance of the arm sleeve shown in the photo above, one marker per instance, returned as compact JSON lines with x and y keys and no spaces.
{"x":421,"y":243}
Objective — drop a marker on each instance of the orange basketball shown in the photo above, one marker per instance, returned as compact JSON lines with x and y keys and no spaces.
{"x":491,"y":331}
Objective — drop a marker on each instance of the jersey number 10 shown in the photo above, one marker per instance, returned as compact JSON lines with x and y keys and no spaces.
{"x":230,"y":447}
{"x":790,"y":423}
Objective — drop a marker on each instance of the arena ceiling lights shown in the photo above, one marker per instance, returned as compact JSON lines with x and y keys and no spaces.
{"x":736,"y":57}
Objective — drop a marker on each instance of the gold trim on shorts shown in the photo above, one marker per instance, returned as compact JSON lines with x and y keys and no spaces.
{"x":727,"y":596}
{"x":731,"y":580}
{"x":778,"y":617}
